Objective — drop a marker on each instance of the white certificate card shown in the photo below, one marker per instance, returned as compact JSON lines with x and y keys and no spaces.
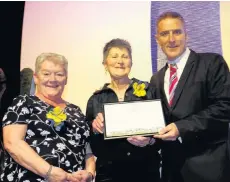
{"x":125,"y":119}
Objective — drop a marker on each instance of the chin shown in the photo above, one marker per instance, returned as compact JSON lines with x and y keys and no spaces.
{"x":53,"y":95}
{"x":117,"y":77}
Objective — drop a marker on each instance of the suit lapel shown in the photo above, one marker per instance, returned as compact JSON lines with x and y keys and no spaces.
{"x":185,"y":74}
{"x":161,"y":86}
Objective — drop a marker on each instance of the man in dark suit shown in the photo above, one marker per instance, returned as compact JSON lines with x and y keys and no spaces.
{"x":194,"y":89}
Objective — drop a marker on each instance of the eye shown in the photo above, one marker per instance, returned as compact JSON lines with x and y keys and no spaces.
{"x":164,"y":34}
{"x":177,"y":32}
{"x":60,"y":74}
{"x":46,"y":73}
{"x":125,"y":57}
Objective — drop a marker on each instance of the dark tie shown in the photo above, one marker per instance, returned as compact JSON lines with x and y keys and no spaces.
{"x":172,"y":82}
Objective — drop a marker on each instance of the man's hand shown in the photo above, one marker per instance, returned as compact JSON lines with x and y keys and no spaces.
{"x":170,"y":132}
{"x":139,"y":141}
{"x":98,"y":123}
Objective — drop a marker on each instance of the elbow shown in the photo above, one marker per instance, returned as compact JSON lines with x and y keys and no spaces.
{"x":9,"y":146}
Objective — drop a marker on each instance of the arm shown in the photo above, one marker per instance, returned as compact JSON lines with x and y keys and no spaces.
{"x":19,"y":150}
{"x":90,"y":164}
{"x":96,"y":140}
{"x":88,"y":174}
{"x":210,"y":122}
{"x":90,"y":160}
{"x":216,"y":116}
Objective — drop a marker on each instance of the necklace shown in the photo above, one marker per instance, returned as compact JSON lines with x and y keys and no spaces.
{"x":120,"y":92}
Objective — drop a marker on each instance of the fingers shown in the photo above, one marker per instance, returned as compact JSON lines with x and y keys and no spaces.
{"x":100,"y":116}
{"x":168,"y":136}
{"x":170,"y":132}
{"x":139,"y":141}
{"x":98,"y":123}
{"x":74,"y":177}
{"x":164,"y":130}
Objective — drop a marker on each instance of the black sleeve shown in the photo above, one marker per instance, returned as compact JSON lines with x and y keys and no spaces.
{"x":216,"y":114}
{"x":89,"y":111}
{"x":96,"y":140}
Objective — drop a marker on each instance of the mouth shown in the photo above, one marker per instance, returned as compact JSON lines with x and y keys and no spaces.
{"x":119,"y":67}
{"x":173,"y":47}
{"x":52,"y":86}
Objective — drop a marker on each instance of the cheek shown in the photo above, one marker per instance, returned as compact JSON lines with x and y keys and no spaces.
{"x":63,"y":82}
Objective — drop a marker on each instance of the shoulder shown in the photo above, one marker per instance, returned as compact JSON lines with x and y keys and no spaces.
{"x":135,"y":80}
{"x":208,"y":57}
{"x":140,"y":83}
{"x":99,"y":93}
{"x":22,"y":99}
{"x":73,"y":106}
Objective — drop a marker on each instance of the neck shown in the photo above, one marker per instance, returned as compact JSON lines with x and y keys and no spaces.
{"x":51,"y":100}
{"x":178,"y":57}
{"x":120,"y":83}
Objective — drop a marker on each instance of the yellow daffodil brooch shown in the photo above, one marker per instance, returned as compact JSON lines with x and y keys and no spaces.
{"x":57,"y":117}
{"x":139,"y":89}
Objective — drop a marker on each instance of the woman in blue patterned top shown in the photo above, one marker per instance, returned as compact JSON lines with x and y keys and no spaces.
{"x":46,"y":137}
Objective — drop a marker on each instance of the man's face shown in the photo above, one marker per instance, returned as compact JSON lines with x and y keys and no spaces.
{"x":171,"y":37}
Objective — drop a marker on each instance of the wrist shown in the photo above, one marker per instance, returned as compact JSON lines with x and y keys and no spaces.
{"x":48,"y":173}
{"x":151,"y":141}
{"x":91,"y":175}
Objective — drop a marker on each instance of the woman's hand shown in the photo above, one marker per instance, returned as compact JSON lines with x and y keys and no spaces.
{"x":139,"y":141}
{"x":98,"y":123}
{"x":83,"y":176}
{"x":59,"y":175}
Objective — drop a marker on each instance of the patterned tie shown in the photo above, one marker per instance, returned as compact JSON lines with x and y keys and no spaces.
{"x":173,"y":80}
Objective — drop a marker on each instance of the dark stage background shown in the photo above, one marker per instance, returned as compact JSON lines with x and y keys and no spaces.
{"x":11,"y":20}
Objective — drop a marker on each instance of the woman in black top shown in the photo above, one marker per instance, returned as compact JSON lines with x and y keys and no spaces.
{"x":135,"y":159}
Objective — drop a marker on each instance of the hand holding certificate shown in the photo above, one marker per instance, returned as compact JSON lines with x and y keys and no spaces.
{"x":125,"y":119}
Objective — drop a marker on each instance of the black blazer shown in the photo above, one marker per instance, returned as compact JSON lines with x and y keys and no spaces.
{"x":200,"y":111}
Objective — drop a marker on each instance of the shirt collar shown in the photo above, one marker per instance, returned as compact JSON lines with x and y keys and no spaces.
{"x":178,"y":59}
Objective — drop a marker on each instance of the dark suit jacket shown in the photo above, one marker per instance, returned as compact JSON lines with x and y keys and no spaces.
{"x":200,"y":111}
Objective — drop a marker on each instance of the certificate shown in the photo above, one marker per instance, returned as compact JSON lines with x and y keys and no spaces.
{"x":125,"y":119}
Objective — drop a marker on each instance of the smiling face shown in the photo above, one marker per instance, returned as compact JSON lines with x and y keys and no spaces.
{"x":50,"y":80}
{"x":171,"y":37}
{"x":118,"y":63}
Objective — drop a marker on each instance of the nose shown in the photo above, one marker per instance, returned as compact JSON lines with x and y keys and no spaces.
{"x":120,"y":60}
{"x":52,"y":77}
{"x":171,"y":37}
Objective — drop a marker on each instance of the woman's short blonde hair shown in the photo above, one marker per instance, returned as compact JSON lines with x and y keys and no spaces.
{"x":53,"y":57}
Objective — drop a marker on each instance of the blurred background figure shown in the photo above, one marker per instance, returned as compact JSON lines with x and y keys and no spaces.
{"x":2,"y":90}
{"x":27,"y":82}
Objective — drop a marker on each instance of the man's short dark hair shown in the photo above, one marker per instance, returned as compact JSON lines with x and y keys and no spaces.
{"x":170,"y":14}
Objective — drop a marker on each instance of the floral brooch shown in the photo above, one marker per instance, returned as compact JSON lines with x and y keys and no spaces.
{"x":139,"y":89}
{"x":57,"y":117}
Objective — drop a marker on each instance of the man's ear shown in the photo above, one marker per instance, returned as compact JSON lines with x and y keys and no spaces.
{"x":156,"y":38}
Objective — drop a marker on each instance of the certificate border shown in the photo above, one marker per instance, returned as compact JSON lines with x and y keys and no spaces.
{"x":126,"y":102}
